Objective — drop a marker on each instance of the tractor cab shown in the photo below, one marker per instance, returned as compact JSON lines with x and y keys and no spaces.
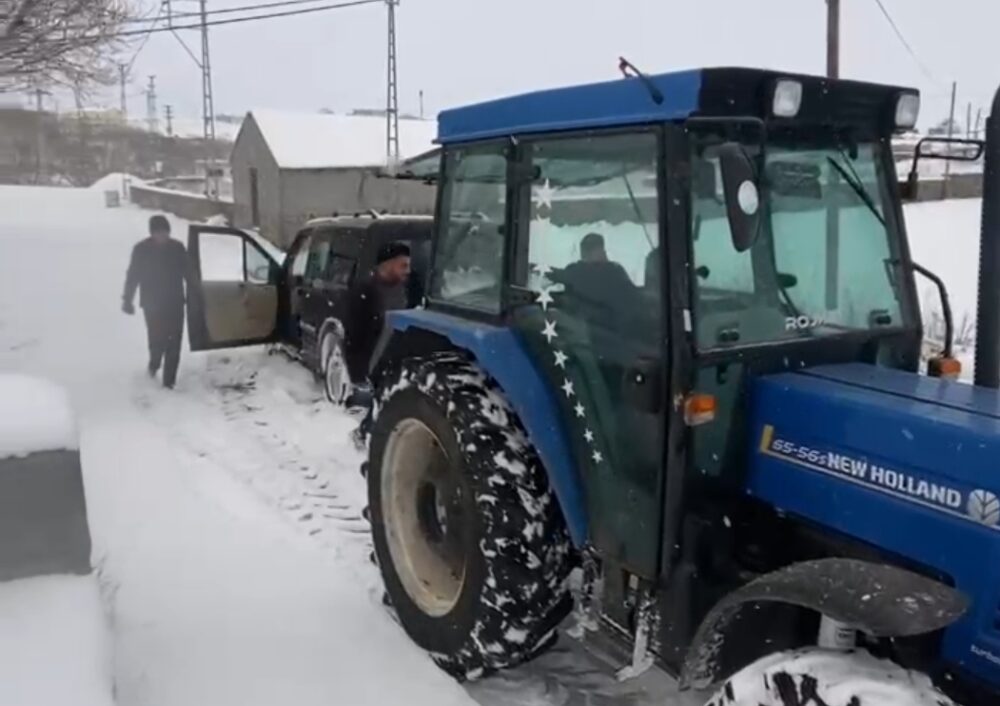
{"x":616,"y":268}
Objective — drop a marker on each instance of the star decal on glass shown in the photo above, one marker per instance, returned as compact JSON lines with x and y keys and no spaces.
{"x":579,"y":410}
{"x":589,"y":436}
{"x":568,"y":388}
{"x":545,"y":298}
{"x":543,"y":270}
{"x":542,"y":195}
{"x":550,"y":331}
{"x":561,"y":359}
{"x":597,"y":456}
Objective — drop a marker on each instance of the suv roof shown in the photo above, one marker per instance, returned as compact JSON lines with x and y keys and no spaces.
{"x":364,"y":220}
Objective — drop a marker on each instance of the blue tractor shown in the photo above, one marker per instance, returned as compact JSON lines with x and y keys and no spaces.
{"x":672,"y":339}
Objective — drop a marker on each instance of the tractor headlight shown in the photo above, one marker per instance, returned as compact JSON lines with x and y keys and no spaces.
{"x":907,"y":110}
{"x":787,"y":98}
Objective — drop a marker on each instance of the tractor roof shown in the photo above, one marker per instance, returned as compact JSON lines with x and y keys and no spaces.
{"x":696,"y":92}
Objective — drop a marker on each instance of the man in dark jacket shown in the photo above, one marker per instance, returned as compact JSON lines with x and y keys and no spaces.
{"x":368,"y":300}
{"x":158,"y":269}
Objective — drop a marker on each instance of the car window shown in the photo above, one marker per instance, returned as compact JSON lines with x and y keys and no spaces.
{"x":340,"y":271}
{"x":301,"y":257}
{"x":319,"y":255}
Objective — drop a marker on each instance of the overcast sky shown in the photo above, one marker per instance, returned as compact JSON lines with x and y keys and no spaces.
{"x":458,"y":51}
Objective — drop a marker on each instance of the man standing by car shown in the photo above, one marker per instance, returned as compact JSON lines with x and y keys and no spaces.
{"x":368,"y":300}
{"x":158,"y":269}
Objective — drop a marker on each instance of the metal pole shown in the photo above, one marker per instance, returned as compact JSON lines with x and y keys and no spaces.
{"x":207,"y":99}
{"x":152,"y":122}
{"x":968,"y":121}
{"x":951,"y":132}
{"x":169,"y":111}
{"x":392,"y":96}
{"x":123,"y":79}
{"x":833,"y":38}
{"x":40,"y":145}
{"x":987,"y":365}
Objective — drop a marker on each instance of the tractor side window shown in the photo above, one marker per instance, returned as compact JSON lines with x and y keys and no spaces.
{"x":469,"y":259}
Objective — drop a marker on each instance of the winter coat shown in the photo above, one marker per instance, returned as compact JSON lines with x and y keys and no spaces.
{"x":363,"y":324}
{"x":159,"y":271}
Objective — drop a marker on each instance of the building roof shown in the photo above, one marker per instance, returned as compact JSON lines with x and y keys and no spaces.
{"x":325,"y":141}
{"x":683,"y":94}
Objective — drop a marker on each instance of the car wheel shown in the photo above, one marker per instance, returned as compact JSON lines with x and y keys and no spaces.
{"x":469,"y":538}
{"x":814,"y":675}
{"x":336,"y":379}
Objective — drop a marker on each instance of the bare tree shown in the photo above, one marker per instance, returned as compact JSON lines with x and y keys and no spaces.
{"x":65,"y":42}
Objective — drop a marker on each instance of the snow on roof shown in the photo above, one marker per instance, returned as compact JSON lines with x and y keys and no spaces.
{"x":323,"y":141}
{"x":35,"y":415}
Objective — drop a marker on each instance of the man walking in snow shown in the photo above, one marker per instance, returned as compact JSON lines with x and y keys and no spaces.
{"x":158,"y":269}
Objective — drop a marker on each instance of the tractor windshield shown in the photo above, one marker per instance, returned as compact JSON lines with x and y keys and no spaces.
{"x":822,"y":263}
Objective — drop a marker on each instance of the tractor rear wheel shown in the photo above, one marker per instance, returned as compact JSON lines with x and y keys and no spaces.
{"x":819,"y":677}
{"x":469,"y":538}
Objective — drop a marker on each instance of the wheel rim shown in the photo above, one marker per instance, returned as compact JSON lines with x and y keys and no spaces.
{"x":421,"y":509}
{"x":335,"y":374}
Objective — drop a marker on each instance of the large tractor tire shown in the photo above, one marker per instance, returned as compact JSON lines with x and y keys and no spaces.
{"x":470,"y":541}
{"x":818,"y":677}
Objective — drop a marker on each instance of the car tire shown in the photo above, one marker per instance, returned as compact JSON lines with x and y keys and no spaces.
{"x":486,"y":589}
{"x":333,"y":370}
{"x":815,"y":675}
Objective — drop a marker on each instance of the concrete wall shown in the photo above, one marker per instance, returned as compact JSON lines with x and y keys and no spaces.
{"x":324,"y":192}
{"x":193,"y":207}
{"x":960,"y":186}
{"x":251,"y":151}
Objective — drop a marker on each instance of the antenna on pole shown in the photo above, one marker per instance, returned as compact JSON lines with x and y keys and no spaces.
{"x":207,"y":100}
{"x":392,"y":94}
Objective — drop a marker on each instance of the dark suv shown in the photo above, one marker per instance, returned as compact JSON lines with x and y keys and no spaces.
{"x":244,"y":293}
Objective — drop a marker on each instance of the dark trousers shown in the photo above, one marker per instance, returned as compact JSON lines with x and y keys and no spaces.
{"x":165,"y":328}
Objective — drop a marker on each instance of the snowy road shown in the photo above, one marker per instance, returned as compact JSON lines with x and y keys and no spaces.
{"x":226,"y":515}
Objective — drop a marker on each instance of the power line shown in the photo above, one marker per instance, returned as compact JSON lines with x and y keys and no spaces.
{"x":226,"y":10}
{"x":899,"y":34}
{"x":128,"y":68}
{"x":234,"y":20}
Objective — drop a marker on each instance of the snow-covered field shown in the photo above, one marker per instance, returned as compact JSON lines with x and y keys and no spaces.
{"x":226,"y":515}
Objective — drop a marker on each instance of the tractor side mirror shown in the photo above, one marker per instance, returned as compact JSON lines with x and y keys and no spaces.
{"x":739,"y":186}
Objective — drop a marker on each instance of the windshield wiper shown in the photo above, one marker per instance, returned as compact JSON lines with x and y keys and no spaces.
{"x":854,"y":181}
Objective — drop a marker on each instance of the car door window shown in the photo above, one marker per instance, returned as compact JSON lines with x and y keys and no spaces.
{"x":319,"y":257}
{"x":301,"y":257}
{"x":340,"y":271}
{"x":257,"y":267}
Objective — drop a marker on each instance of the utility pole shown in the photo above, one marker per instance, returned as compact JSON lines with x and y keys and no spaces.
{"x":979,"y":120}
{"x":421,"y":105}
{"x":968,"y":121}
{"x":392,"y":94}
{"x":833,"y":38}
{"x":207,"y":100}
{"x":40,"y":145}
{"x":951,"y":132}
{"x":168,"y":111}
{"x":123,"y":80}
{"x":152,"y":121}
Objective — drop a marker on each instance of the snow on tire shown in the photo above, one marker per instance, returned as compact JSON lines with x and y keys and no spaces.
{"x":478,"y":578}
{"x":818,"y":677}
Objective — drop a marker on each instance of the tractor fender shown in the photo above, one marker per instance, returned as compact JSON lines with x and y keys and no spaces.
{"x":878,"y":599}
{"x":500,"y":353}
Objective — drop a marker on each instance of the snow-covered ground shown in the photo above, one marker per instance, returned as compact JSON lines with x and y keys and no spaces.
{"x":226,"y":515}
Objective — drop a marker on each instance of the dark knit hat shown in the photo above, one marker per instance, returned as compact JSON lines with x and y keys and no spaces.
{"x":158,"y":224}
{"x":390,"y":251}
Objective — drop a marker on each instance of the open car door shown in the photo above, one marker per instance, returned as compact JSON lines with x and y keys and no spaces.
{"x":233,"y":290}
